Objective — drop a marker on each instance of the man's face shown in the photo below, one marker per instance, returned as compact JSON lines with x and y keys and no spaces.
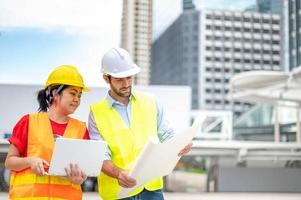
{"x":121,"y":86}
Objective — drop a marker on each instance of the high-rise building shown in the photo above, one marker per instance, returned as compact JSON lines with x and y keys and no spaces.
{"x":270,"y":6}
{"x":294,"y":21}
{"x":203,"y":49}
{"x":136,"y":35}
{"x":279,"y":7}
{"x":188,"y":4}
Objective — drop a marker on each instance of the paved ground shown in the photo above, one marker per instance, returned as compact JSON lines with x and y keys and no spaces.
{"x":209,"y":196}
{"x":232,"y":196}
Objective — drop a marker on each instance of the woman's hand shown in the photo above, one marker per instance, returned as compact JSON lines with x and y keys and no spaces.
{"x":38,"y":165}
{"x":15,"y":162}
{"x":75,"y":175}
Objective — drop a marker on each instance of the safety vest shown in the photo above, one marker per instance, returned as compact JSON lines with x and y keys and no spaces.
{"x":26,"y":185}
{"x":125,"y":142}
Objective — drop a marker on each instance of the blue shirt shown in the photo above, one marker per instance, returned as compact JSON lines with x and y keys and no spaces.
{"x":164,"y":128}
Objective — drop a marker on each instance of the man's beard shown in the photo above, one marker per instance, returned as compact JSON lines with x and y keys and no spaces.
{"x":121,"y":94}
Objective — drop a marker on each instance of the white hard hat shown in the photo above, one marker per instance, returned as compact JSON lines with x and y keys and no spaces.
{"x":118,"y":63}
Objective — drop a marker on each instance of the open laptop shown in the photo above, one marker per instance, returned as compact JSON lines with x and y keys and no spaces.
{"x":87,"y":154}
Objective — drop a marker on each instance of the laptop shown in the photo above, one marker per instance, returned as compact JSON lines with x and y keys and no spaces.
{"x":87,"y":154}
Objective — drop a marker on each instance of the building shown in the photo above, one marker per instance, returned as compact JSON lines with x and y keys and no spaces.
{"x":279,"y":7}
{"x":188,"y":4}
{"x":136,"y":35}
{"x":204,"y":48}
{"x":294,"y":20}
{"x":270,"y":6}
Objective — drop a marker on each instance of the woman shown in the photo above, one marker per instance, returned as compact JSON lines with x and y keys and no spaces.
{"x":32,"y":141}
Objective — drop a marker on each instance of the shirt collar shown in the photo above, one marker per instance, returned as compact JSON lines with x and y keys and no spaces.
{"x":112,"y":101}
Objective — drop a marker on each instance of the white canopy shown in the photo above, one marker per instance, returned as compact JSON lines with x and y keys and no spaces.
{"x":267,"y":87}
{"x":258,"y":79}
{"x":276,"y":88}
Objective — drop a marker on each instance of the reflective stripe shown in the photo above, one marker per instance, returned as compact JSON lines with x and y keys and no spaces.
{"x":62,"y":181}
{"x":45,"y":190}
{"x":33,"y":178}
{"x":29,"y":179}
{"x":37,"y":198}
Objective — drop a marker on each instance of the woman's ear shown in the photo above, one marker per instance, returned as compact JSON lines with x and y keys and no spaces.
{"x":54,"y":94}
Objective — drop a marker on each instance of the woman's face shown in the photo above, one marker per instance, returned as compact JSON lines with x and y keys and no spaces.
{"x":69,"y":99}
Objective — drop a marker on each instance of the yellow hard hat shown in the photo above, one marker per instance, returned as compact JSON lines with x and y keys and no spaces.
{"x":66,"y":75}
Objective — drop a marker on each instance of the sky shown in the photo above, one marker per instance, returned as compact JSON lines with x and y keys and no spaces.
{"x":36,"y":36}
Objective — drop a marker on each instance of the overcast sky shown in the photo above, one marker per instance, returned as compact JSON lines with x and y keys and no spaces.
{"x":38,"y":35}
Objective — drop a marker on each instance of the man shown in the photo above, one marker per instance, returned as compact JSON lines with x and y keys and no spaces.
{"x":126,"y":120}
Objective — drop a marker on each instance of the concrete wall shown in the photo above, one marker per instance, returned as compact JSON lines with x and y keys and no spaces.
{"x":18,"y":100}
{"x":256,"y":179}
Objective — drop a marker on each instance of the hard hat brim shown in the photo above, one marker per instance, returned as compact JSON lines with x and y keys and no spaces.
{"x":135,"y":70}
{"x":85,"y":89}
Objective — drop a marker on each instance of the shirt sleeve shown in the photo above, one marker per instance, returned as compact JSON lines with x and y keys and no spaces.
{"x":165,"y":130}
{"x":20,"y":135}
{"x":86,"y":136}
{"x":95,"y":135}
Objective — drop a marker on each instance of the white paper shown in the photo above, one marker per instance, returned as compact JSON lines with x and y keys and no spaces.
{"x":159,"y":159}
{"x":88,"y":154}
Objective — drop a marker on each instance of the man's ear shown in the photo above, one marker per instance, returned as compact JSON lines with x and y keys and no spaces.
{"x":106,"y":78}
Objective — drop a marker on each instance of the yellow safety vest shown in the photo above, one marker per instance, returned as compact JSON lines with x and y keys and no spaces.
{"x":125,"y":142}
{"x":26,"y":185}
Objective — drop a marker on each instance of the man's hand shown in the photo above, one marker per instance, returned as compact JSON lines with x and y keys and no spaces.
{"x":75,"y":175}
{"x":185,"y":150}
{"x":125,"y":181}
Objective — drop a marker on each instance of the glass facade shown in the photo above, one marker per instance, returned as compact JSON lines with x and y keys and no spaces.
{"x":258,"y":124}
{"x":294,"y":7}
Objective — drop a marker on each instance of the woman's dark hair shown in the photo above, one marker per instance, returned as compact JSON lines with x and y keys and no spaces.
{"x":45,"y":96}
